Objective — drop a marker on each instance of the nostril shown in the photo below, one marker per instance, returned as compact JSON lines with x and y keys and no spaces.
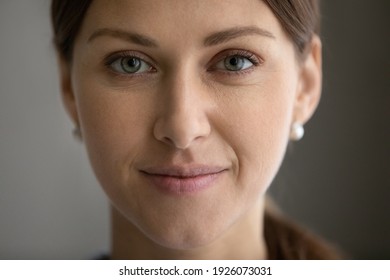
{"x":180,"y":137}
{"x":180,"y":143}
{"x":168,"y":140}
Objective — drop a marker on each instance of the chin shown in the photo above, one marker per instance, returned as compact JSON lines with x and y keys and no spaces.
{"x":181,"y":237}
{"x":185,"y":234}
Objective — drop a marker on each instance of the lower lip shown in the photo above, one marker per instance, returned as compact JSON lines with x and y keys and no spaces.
{"x":181,"y":186}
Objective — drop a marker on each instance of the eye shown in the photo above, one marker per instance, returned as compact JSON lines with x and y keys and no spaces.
{"x":130,"y":65}
{"x":234,"y":63}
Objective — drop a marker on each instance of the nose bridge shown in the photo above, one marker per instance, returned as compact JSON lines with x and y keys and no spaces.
{"x":179,"y":93}
{"x":183,"y":117}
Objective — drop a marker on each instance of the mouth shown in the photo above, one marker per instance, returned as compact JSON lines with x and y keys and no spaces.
{"x":181,"y":180}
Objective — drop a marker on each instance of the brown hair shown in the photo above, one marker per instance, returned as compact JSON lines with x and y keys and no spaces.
{"x":300,"y":20}
{"x":67,"y":17}
{"x":286,"y":240}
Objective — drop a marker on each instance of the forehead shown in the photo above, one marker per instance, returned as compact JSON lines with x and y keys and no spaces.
{"x":179,"y":18}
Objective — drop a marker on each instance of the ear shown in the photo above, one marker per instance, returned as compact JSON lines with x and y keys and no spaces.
{"x":310,"y":83}
{"x":67,"y":93}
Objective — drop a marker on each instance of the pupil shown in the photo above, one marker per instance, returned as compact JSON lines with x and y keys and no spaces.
{"x":131,"y":65}
{"x":234,"y":61}
{"x":132,"y":62}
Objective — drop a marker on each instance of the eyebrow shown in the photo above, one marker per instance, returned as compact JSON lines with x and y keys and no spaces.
{"x":211,"y":40}
{"x":233,"y":33}
{"x":124,"y":35}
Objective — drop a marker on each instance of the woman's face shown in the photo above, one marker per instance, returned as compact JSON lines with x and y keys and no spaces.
{"x":185,"y":109}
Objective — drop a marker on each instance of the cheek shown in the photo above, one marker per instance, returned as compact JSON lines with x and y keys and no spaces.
{"x":116,"y":127}
{"x":261,"y":124}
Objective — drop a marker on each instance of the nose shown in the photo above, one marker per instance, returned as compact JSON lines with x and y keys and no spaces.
{"x":183,"y":118}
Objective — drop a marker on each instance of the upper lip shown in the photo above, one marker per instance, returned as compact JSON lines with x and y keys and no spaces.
{"x":182,"y":171}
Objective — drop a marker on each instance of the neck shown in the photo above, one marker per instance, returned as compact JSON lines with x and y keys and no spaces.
{"x":243,"y":240}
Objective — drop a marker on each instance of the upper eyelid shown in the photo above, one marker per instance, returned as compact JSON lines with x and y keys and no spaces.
{"x":247,"y":54}
{"x":113,"y":57}
{"x":252,"y":57}
{"x":122,"y":54}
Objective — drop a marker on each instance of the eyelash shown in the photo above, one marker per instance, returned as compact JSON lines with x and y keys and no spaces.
{"x":109,"y":61}
{"x":254,"y":59}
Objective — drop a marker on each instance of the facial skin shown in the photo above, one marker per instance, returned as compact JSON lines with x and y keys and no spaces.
{"x":185,"y":112}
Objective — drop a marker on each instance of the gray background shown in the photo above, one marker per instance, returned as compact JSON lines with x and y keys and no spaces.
{"x":336,"y":180}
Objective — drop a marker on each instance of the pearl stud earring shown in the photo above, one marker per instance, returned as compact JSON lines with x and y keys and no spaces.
{"x":77,"y":133}
{"x":297,"y":131}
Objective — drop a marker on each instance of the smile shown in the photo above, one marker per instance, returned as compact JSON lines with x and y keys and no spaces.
{"x":182,"y":180}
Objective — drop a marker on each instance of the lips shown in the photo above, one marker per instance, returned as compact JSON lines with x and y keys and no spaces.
{"x":180,"y":180}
